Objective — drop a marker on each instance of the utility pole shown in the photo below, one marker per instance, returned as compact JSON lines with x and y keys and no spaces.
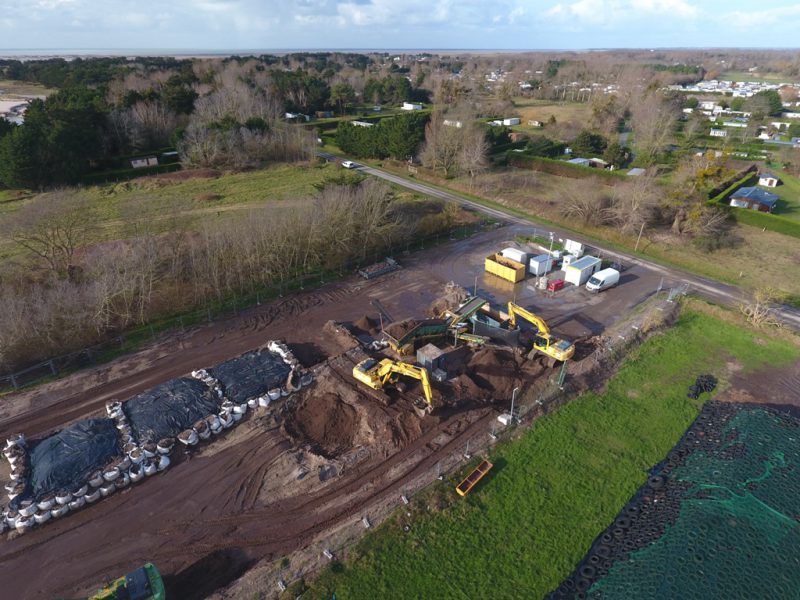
{"x":513,"y":399}
{"x":641,"y":229}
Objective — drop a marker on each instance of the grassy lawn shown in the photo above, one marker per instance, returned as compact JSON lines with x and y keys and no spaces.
{"x":557,"y":487}
{"x":756,"y":76}
{"x":542,"y":110}
{"x":789,"y":192}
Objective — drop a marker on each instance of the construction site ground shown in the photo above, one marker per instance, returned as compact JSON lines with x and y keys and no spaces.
{"x":306,"y":465}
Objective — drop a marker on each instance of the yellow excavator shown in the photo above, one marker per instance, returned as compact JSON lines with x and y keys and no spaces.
{"x":378,"y":374}
{"x":544,"y":342}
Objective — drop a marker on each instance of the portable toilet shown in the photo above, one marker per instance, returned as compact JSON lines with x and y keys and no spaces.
{"x":579,"y":271}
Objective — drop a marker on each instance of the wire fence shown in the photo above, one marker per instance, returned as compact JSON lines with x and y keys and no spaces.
{"x":132,"y":339}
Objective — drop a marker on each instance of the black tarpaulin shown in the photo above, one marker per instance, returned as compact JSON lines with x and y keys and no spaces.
{"x":65,"y":459}
{"x":250,"y":375}
{"x":167,"y":409}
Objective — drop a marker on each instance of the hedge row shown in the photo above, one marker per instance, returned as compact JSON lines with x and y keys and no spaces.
{"x":127,"y":174}
{"x":559,"y":167}
{"x":768,"y":221}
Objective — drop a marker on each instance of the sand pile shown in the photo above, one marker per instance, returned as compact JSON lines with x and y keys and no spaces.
{"x":367,"y":325}
{"x":493,"y":373}
{"x":399,"y":329}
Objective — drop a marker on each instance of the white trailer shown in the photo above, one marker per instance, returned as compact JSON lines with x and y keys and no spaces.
{"x":541,"y":265}
{"x":579,"y":271}
{"x":514,"y":254}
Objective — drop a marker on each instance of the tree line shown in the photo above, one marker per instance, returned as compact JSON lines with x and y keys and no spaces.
{"x":72,"y":291}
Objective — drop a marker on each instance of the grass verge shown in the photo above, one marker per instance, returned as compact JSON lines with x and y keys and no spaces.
{"x":554,"y":489}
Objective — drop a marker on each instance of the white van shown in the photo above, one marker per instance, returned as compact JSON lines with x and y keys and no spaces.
{"x":349,"y":164}
{"x":602,"y":280}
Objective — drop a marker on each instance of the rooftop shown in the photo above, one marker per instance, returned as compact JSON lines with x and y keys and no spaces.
{"x":757,"y":195}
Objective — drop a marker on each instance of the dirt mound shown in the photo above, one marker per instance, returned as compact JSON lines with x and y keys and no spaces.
{"x":499,"y":371}
{"x":367,"y":325}
{"x":324,"y":421}
{"x":451,"y":297}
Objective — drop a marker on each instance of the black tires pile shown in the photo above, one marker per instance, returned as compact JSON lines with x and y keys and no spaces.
{"x":704,"y":383}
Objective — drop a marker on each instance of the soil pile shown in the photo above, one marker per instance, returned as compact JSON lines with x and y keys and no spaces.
{"x":499,"y":371}
{"x":399,"y":329}
{"x":367,"y":325}
{"x":451,"y":297}
{"x":325,"y":421}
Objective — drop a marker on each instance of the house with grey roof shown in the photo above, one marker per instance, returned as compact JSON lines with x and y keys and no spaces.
{"x":755,"y":198}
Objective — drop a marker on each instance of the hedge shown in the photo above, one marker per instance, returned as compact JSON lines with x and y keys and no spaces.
{"x":126,"y":174}
{"x":559,"y":167}
{"x":768,"y":221}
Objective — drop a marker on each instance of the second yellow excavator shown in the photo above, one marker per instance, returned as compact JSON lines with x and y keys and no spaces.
{"x":378,"y":374}
{"x":544,"y":342}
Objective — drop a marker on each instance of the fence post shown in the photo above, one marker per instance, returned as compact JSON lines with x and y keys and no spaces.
{"x":53,"y":369}
{"x":14,"y":381}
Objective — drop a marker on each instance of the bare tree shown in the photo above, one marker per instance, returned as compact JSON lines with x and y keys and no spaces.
{"x":474,"y":152}
{"x":52,"y":226}
{"x":654,"y":118}
{"x":760,"y":310}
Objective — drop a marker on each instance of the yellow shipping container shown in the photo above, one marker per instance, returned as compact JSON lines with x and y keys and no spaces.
{"x":503,"y":267}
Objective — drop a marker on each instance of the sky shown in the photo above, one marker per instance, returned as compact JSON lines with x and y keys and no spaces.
{"x":396,"y":24}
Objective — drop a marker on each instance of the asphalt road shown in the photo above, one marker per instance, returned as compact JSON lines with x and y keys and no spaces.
{"x":710,"y":289}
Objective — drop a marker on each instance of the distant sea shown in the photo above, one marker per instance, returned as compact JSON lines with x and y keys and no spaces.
{"x":34,"y":53}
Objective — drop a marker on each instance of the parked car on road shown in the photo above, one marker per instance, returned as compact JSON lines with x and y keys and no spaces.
{"x":349,"y":164}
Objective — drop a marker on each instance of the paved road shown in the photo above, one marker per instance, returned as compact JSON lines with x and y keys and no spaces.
{"x":721,"y":293}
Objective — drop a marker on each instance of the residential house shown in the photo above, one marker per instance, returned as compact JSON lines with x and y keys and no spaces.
{"x":411,"y":106}
{"x":511,"y":121}
{"x":718,"y":133}
{"x":768,"y":180}
{"x":755,"y":198}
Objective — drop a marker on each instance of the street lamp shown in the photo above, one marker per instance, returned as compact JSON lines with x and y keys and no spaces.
{"x":551,"y":243}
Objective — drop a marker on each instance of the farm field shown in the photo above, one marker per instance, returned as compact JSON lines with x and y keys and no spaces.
{"x":11,"y":88}
{"x":522,"y":530}
{"x":542,"y":110}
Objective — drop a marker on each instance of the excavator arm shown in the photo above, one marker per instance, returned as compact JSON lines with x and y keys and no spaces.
{"x":550,"y":345}
{"x":388,"y":367}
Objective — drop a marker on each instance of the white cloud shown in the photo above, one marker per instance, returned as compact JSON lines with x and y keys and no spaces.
{"x":764,"y":18}
{"x":615,"y":12}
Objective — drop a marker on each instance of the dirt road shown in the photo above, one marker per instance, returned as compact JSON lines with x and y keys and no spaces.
{"x":255,"y":493}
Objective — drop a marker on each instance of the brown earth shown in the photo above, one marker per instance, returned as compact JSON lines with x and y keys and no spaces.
{"x":261,"y":490}
{"x":778,"y":387}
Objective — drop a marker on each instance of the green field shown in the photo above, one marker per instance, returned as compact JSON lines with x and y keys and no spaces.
{"x":756,"y":76}
{"x":789,"y":192}
{"x":524,"y":528}
{"x":117,"y":209}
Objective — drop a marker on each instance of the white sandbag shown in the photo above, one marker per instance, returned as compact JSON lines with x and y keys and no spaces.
{"x":42,"y":517}
{"x":163,"y":462}
{"x":107,"y":489}
{"x":252,"y":403}
{"x":165,"y":445}
{"x":110,"y":473}
{"x":77,"y":503}
{"x":123,"y":481}
{"x":96,"y":479}
{"x":10,"y":518}
{"x":150,"y":450}
{"x":240,"y":408}
{"x":23,"y":524}
{"x":46,"y":503}
{"x":63,"y":497}
{"x":274,"y":394}
{"x":284,"y":392}
{"x":150,"y":468}
{"x":15,"y":440}
{"x":17,"y":488}
{"x":60,"y":511}
{"x":124,"y":464}
{"x":27,"y":508}
{"x":81,"y":491}
{"x":136,"y":455}
{"x":263,"y":401}
{"x":188,"y":437}
{"x":136,"y":473}
{"x":93,"y":496}
{"x":237,"y":416}
{"x":202,"y":429}
{"x":226,"y":419}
